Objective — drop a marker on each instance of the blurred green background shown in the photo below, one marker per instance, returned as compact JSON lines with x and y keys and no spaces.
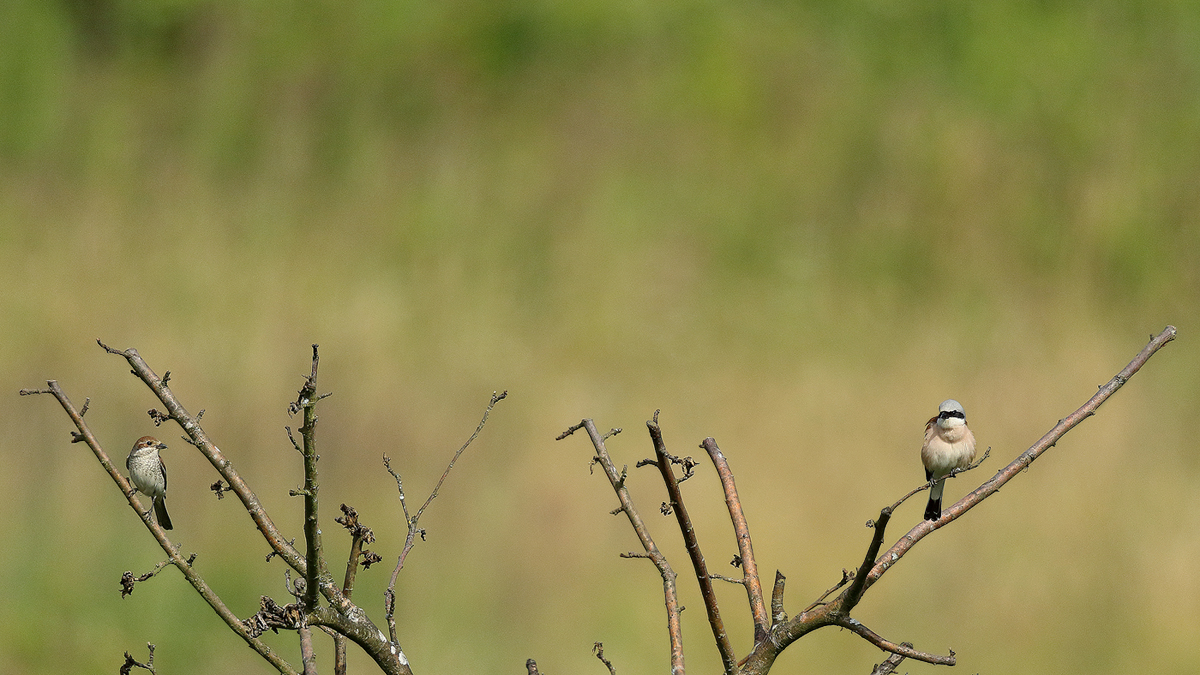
{"x":794,"y":226}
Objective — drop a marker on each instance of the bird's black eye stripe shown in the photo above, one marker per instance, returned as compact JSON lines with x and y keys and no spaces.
{"x":952,"y":413}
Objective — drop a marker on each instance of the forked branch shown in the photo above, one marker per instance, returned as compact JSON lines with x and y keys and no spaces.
{"x":199,"y":438}
{"x":1047,"y":441}
{"x":411,"y":520}
{"x":874,"y":566}
{"x":670,"y":593}
{"x":343,"y":616}
{"x":774,"y":632}
{"x":85,"y":435}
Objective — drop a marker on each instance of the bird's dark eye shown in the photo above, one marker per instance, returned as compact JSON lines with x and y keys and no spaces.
{"x":952,"y":413}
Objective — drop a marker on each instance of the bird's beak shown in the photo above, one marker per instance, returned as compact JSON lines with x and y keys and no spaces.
{"x":161,"y":445}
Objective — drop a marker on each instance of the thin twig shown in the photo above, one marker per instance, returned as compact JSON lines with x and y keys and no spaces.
{"x":728,"y":580}
{"x":670,"y":593}
{"x":941,"y":479}
{"x":846,"y":577}
{"x":411,"y":537}
{"x":496,"y":398}
{"x":598,"y":650}
{"x":128,"y":580}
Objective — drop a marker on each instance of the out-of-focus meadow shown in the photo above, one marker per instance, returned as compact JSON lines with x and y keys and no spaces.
{"x":795,"y":227}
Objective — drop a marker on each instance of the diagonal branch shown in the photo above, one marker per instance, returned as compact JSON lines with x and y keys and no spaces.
{"x":850,"y":597}
{"x":496,"y":398}
{"x":724,"y":647}
{"x":903,"y":649}
{"x":670,"y":593}
{"x":889,"y":664}
{"x":182,"y":564}
{"x":344,"y":616}
{"x":191,"y":426}
{"x":741,"y":529}
{"x":989,"y":487}
{"x":836,"y":612}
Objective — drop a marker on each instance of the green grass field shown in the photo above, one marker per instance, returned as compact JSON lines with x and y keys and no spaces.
{"x":794,"y":227}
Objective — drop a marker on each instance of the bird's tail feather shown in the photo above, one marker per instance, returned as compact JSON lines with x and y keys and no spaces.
{"x":160,"y":512}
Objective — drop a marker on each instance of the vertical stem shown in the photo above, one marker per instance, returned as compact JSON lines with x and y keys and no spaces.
{"x":339,"y":641}
{"x":312,"y":530}
{"x":308,"y":655}
{"x":778,"y":615}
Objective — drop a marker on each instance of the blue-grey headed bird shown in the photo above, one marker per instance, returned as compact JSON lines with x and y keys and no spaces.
{"x":949,"y":445}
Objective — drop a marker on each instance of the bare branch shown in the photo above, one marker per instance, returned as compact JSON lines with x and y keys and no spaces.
{"x":316,"y":568}
{"x":85,"y":435}
{"x":846,"y":577}
{"x":308,"y":655}
{"x":890,"y":664}
{"x":670,"y":594}
{"x":598,"y":650}
{"x":359,"y":534}
{"x":724,"y":647}
{"x":904,"y":649}
{"x":413,"y":530}
{"x":344,"y":616}
{"x":496,"y":398}
{"x":237,"y":485}
{"x":741,"y":529}
{"x":778,"y":615}
{"x":849,"y":599}
{"x":1047,"y":441}
{"x":131,"y":663}
{"x":836,"y":612}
